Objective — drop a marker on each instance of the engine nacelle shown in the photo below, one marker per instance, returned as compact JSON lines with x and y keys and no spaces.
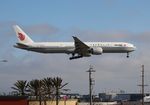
{"x":96,"y":50}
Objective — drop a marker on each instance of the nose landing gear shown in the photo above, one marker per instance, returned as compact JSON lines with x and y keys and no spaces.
{"x":127,"y":54}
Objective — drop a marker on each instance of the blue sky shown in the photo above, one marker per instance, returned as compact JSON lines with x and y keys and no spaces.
{"x":98,"y":15}
{"x":90,"y":20}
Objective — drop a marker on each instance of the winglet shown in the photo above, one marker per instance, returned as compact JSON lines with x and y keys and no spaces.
{"x":73,"y":37}
{"x":77,"y":42}
{"x":76,"y":39}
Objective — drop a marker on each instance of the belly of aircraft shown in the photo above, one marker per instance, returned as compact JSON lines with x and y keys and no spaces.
{"x":116,"y":49}
{"x":50,"y":50}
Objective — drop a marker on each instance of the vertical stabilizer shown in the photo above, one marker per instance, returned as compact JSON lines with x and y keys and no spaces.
{"x":22,"y":36}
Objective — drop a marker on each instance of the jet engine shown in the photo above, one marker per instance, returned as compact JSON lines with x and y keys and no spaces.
{"x":96,"y":51}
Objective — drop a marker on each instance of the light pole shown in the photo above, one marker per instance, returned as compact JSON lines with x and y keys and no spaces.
{"x":90,"y":83}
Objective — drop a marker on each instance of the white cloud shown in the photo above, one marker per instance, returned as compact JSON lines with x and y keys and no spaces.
{"x":44,"y":29}
{"x":113,"y":71}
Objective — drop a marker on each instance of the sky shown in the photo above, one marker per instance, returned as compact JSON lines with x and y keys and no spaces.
{"x":89,"y":20}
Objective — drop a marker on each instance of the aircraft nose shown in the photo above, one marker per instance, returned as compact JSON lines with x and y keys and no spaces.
{"x":133,"y":47}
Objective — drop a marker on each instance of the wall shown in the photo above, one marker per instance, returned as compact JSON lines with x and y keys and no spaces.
{"x":61,"y":102}
{"x":99,"y":103}
{"x":13,"y":100}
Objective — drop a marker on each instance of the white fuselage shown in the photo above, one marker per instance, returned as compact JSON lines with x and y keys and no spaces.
{"x":68,"y":47}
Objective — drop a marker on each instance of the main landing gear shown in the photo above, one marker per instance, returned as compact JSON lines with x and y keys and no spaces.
{"x":75,"y":57}
{"x":127,"y":54}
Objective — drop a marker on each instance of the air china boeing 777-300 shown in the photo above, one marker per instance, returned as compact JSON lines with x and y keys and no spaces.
{"x":78,"y":49}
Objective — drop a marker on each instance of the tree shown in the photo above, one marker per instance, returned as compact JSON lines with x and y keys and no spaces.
{"x":57,"y":83}
{"x":20,"y":87}
{"x":34,"y":87}
{"x":47,"y":86}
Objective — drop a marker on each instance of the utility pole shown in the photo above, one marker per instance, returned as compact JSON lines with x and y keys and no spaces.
{"x":143,"y":84}
{"x":90,"y":83}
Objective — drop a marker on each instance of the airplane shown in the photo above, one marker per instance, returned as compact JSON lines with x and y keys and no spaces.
{"x":78,"y":48}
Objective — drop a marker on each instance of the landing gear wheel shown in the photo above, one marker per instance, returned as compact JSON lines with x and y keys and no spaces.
{"x":73,"y":54}
{"x":127,"y":55}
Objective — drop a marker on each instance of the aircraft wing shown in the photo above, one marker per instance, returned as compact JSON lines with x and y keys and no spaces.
{"x":80,"y":47}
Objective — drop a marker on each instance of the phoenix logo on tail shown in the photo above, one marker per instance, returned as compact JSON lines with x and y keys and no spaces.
{"x":77,"y":49}
{"x":21,"y":36}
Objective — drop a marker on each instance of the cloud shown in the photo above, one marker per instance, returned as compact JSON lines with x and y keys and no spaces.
{"x":4,"y":24}
{"x":101,"y":36}
{"x":44,"y":29}
{"x":113,"y":71}
{"x":143,"y":37}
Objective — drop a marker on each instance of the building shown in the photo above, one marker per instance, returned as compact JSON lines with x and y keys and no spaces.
{"x":120,"y":97}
